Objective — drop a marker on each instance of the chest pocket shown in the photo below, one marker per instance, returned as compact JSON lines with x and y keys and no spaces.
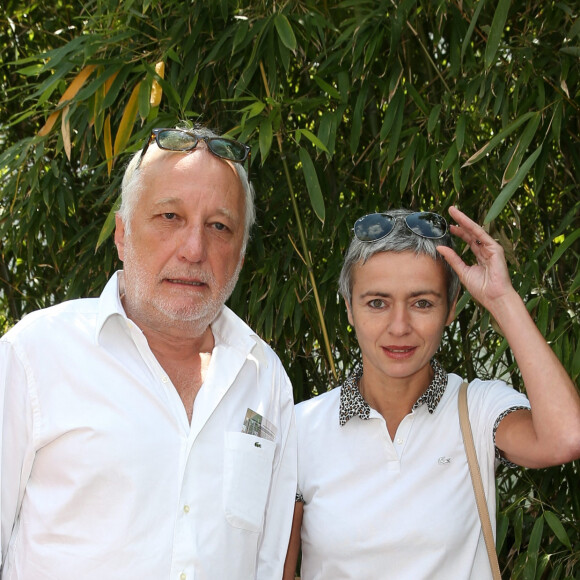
{"x":247,"y":475}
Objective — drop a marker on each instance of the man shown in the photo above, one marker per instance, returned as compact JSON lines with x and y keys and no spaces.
{"x":150,"y":433}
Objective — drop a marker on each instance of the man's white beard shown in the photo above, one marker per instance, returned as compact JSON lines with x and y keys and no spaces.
{"x":197,"y":315}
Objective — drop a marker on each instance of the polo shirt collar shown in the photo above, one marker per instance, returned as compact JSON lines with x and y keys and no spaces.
{"x":352,"y":403}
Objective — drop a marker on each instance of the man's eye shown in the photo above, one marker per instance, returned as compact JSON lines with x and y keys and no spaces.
{"x":423,"y":303}
{"x":376,"y":303}
{"x":220,"y":227}
{"x":169,"y":215}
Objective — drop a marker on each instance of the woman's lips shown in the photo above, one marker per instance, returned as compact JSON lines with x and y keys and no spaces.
{"x":399,"y":352}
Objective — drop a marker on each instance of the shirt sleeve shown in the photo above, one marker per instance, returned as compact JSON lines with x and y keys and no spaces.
{"x":280,"y":507}
{"x":489,"y":403}
{"x":498,"y":454}
{"x":15,"y":440}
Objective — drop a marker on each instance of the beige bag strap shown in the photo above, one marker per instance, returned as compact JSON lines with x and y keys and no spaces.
{"x":477,"y":482}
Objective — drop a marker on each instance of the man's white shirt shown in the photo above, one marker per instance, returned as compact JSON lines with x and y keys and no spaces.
{"x":103,"y":477}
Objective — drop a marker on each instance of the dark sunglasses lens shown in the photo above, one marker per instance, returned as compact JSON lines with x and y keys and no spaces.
{"x":427,"y":225}
{"x":176,"y":140}
{"x":228,"y":149}
{"x":372,"y":227}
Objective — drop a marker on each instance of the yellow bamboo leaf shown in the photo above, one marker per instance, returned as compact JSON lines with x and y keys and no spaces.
{"x":108,"y":144}
{"x":45,"y":130}
{"x":156,"y":90}
{"x":109,"y":82}
{"x":127,"y":121}
{"x":71,"y":91}
{"x":65,"y":130}
{"x":77,"y":83}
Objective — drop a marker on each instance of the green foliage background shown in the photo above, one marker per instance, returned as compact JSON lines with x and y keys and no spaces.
{"x":350,"y":107}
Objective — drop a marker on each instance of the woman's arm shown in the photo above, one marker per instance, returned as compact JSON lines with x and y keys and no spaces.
{"x":294,"y":544}
{"x":550,"y":433}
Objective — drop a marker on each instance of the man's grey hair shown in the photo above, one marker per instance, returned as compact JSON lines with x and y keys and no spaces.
{"x":132,"y":186}
{"x":401,"y":239}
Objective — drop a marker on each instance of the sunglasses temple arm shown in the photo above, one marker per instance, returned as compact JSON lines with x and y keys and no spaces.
{"x":146,"y":146}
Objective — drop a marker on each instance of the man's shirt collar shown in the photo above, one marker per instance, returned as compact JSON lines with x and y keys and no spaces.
{"x":352,"y":403}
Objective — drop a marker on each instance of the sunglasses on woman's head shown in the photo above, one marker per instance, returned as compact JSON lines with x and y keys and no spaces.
{"x":182,"y":140}
{"x":376,"y":226}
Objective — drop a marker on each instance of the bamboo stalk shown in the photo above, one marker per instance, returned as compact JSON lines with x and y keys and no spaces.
{"x":302,"y":236}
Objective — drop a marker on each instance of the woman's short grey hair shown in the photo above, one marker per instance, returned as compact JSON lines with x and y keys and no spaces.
{"x":132,"y":186}
{"x":401,"y":239}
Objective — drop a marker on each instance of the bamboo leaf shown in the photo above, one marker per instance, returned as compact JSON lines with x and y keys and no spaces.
{"x":144,"y":99}
{"x":520,"y":148}
{"x":190,"y":90}
{"x":312,"y":184}
{"x":70,"y":92}
{"x":495,"y":34}
{"x":433,"y":118}
{"x":557,"y":119}
{"x":471,"y":28}
{"x":327,"y":88}
{"x":575,"y":368}
{"x":533,"y":549}
{"x":156,"y":89}
{"x":109,"y":224}
{"x":65,"y":132}
{"x":265,"y":138}
{"x":314,"y":139}
{"x":242,"y":28}
{"x":492,"y":143}
{"x":460,"y":132}
{"x":391,"y":114}
{"x":574,"y":286}
{"x":507,"y":192}
{"x":563,"y":247}
{"x":357,"y":119}
{"x":450,"y":157}
{"x":45,"y":130}
{"x":558,"y":529}
{"x":285,"y":32}
{"x":408,"y":159}
{"x":108,"y":141}
{"x":77,"y":83}
{"x":127,"y":121}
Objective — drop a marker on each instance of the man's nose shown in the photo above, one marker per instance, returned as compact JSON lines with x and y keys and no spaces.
{"x":193,"y":244}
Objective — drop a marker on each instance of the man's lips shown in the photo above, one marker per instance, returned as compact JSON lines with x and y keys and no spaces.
{"x":185,"y":282}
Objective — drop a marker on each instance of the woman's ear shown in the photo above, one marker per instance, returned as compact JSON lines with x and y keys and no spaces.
{"x":451,"y":313}
{"x":349,"y":312}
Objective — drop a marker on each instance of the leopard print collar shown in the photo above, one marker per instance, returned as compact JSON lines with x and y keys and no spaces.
{"x":352,"y":403}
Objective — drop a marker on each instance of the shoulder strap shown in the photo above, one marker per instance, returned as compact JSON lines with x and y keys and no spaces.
{"x":477,"y":482}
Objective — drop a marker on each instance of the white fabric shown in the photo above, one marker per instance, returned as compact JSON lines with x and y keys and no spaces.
{"x":103,"y":478}
{"x":402,"y":509}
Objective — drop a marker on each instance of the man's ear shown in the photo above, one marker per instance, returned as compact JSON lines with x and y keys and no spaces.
{"x":120,"y":236}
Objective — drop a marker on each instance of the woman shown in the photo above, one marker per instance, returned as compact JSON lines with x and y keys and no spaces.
{"x":383,"y":483}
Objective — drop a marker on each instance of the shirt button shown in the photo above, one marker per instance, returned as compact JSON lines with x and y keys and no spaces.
{"x":186,"y":509}
{"x":165,"y":379}
{"x":182,"y":576}
{"x":399,"y":441}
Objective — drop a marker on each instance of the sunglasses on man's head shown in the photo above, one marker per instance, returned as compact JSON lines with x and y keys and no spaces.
{"x":182,"y":140}
{"x":376,"y":226}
